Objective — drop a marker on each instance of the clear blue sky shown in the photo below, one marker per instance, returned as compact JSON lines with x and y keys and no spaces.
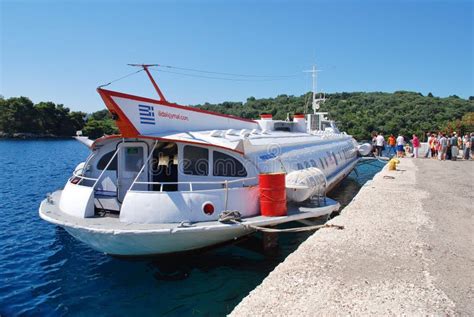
{"x":61,"y":51}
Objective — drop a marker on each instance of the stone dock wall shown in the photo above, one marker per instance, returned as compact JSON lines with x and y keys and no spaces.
{"x":407,"y":248}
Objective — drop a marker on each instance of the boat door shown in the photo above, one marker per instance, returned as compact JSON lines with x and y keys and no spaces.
{"x":131,"y":157}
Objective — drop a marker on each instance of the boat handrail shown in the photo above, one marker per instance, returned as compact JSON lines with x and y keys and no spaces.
{"x":95,"y":180}
{"x":75,"y":174}
{"x":225,"y":183}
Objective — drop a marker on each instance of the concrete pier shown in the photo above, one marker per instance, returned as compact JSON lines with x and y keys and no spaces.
{"x":407,"y":248}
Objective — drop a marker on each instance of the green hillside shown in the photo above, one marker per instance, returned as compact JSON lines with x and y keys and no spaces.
{"x":20,"y":117}
{"x":360,"y":113}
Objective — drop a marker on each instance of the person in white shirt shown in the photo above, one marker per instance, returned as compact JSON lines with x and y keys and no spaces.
{"x":379,"y":143}
{"x":400,"y":144}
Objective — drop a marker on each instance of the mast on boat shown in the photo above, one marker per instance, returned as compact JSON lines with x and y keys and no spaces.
{"x":145,"y":68}
{"x":317,"y":100}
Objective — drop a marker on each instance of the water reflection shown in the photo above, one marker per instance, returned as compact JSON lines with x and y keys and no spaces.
{"x":345,"y":192}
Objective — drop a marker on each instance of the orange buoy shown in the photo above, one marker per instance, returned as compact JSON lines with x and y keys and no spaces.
{"x":272,"y":194}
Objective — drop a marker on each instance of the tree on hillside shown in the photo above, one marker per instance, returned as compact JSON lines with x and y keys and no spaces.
{"x":18,"y":115}
{"x":78,"y":119}
{"x":97,"y":128}
{"x":57,"y":119}
{"x":100,"y":115}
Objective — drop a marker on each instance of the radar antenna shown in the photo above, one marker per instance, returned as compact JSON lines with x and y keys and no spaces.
{"x":317,"y":99}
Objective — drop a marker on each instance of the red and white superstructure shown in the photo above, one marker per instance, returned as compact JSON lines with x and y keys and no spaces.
{"x":161,"y":185}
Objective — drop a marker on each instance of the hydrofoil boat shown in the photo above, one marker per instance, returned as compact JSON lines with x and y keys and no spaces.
{"x":162,"y":185}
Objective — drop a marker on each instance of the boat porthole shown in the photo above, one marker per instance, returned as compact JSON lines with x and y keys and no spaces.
{"x":208,"y":208}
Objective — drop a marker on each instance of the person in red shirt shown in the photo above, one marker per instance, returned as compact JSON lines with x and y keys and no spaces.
{"x":416,"y":145}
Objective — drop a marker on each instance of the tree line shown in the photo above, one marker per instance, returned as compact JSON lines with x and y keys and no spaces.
{"x":20,"y":116}
{"x":362,"y":113}
{"x":357,"y":113}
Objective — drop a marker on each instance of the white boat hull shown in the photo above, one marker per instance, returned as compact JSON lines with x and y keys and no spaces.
{"x":109,"y":235}
{"x":155,"y":243}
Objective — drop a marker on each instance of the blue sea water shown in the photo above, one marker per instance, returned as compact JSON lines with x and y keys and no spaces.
{"x":45,"y":272}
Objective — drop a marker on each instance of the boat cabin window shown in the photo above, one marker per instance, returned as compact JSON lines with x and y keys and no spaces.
{"x":165,"y":166}
{"x":226,"y":165}
{"x":133,"y":159}
{"x":104,"y":160}
{"x":195,"y":160}
{"x":282,"y":126}
{"x":299,"y":166}
{"x":325,"y":124}
{"x":306,"y":164}
{"x":313,"y":163}
{"x":322,"y":163}
{"x":335,"y":159}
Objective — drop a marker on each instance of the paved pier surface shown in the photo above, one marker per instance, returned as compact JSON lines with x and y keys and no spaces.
{"x":407,"y":248}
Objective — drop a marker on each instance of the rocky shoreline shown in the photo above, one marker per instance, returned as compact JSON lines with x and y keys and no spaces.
{"x":28,"y":136}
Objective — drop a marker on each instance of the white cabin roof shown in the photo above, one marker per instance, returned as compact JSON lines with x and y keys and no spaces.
{"x":246,"y":141}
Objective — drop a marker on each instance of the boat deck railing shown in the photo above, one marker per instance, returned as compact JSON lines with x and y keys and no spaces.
{"x":193,"y":185}
{"x":79,"y":179}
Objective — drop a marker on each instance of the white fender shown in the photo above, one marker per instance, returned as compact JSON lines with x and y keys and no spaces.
{"x":364,"y":149}
{"x":302,"y":184}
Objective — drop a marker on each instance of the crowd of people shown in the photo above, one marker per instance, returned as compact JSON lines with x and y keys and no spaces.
{"x":441,"y":146}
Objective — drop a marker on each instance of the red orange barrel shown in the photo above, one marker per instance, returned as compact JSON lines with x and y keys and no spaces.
{"x":272,"y":194}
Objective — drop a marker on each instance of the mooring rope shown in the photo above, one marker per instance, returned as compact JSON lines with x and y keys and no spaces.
{"x":230,"y":216}
{"x":300,"y":229}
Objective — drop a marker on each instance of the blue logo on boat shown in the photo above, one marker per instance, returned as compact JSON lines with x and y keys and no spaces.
{"x":147,"y":114}
{"x":268,"y":156}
